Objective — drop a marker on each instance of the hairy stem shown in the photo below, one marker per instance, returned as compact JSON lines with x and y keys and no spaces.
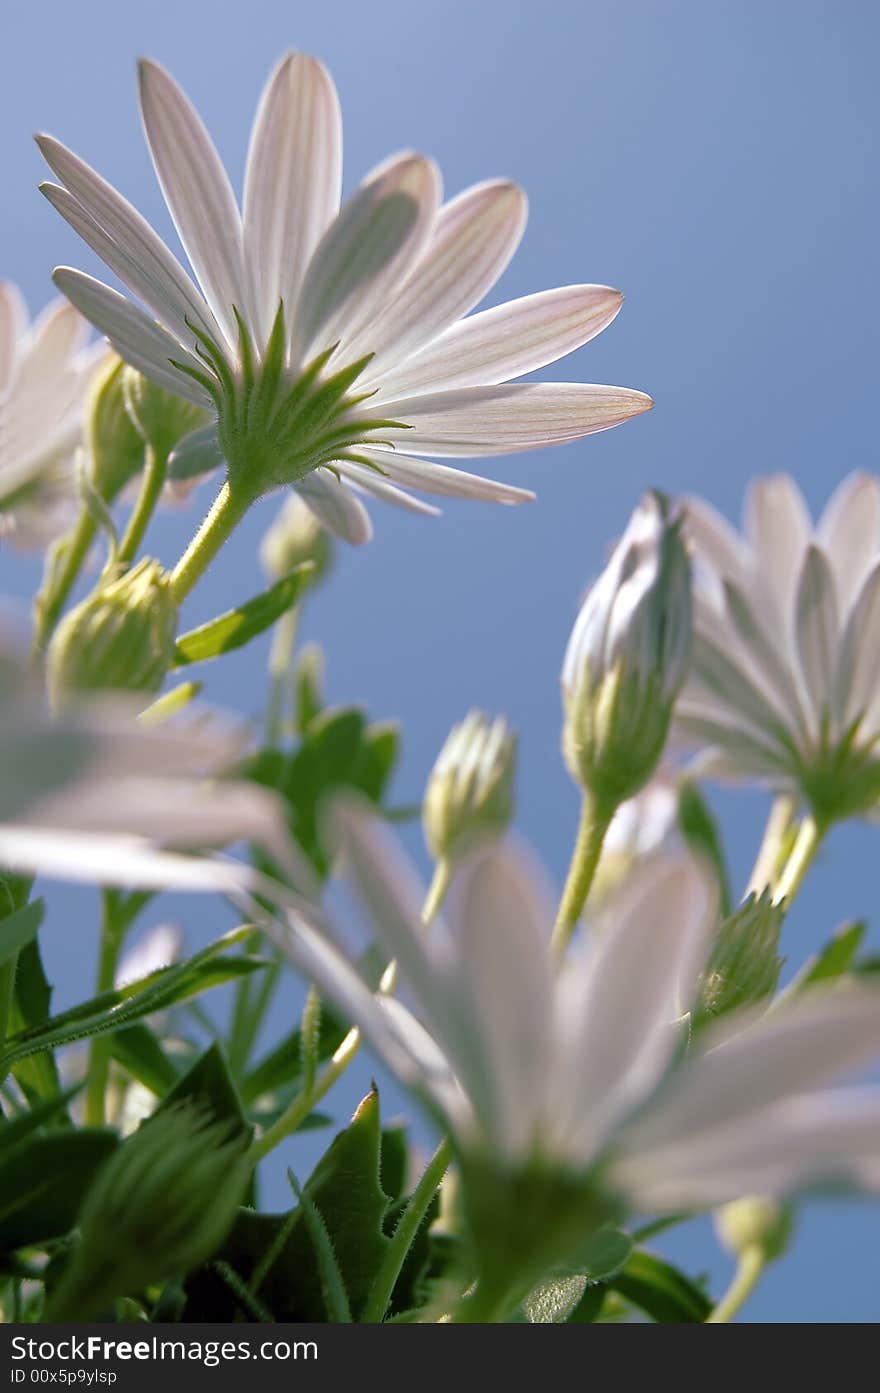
{"x":152,"y":482}
{"x":226,"y":513}
{"x":595,"y":818}
{"x":404,"y":1235}
{"x":749,"y":1268}
{"x":801,"y":857}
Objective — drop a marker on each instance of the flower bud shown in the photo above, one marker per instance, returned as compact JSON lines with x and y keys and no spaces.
{"x":627,"y":657}
{"x":755,"y":1222}
{"x":120,"y":638}
{"x":114,"y":448}
{"x":469,"y":797}
{"x":294,"y":537}
{"x":160,"y":418}
{"x":744,"y":964}
{"x":159,"y":1206}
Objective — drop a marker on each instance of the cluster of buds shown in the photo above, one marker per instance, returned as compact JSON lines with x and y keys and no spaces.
{"x":627,"y":657}
{"x":470,"y":791}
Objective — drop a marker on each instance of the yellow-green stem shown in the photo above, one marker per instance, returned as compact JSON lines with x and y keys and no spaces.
{"x":801,"y":857}
{"x":280,"y":658}
{"x":52,"y":598}
{"x":404,"y":1235}
{"x":152,"y":482}
{"x":437,"y":890}
{"x":297,"y":1111}
{"x":226,"y":513}
{"x":595,"y":818}
{"x":749,"y":1268}
{"x":772,"y":845}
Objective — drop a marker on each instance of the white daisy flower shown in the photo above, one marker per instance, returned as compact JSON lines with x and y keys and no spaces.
{"x":580,"y":1071}
{"x":326,"y":339}
{"x":785,"y":680}
{"x":98,"y":796}
{"x":45,"y":371}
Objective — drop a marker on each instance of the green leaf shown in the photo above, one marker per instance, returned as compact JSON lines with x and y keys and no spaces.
{"x":169,"y":703}
{"x":554,"y":1302}
{"x":210,"y":1084}
{"x":18,"y":929}
{"x":345,"y":1190}
{"x":16,"y":1130}
{"x":43,"y":1184}
{"x":284,"y":1063}
{"x":139,"y":1052}
{"x":660,"y":1290}
{"x":238,"y":626}
{"x":700,"y":830}
{"x":332,"y":1282}
{"x":38,"y":1077}
{"x":114,"y":1009}
{"x":606,"y":1252}
{"x":833,"y":960}
{"x":308,"y":687}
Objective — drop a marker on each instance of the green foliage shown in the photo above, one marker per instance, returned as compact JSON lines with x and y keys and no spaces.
{"x":238,"y":626}
{"x":43,"y":1182}
{"x":19,"y":929}
{"x":660,"y":1290}
{"x":700,"y":830}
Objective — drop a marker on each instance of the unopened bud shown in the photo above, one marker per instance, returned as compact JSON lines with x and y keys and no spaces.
{"x":469,"y":797}
{"x":120,"y":638}
{"x":160,"y":418}
{"x":627,"y":657}
{"x":115,"y":450}
{"x":755,"y":1223}
{"x":294,"y":537}
{"x":160,"y":1205}
{"x":744,"y":964}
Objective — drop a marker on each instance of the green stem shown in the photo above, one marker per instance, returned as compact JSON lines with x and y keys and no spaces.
{"x":226,"y":513}
{"x":595,"y":818}
{"x":776,"y":833}
{"x":283,"y":641}
{"x":751,"y":1264}
{"x":152,"y":483}
{"x":297,"y":1111}
{"x":56,"y":588}
{"x":408,"y":1226}
{"x":437,"y":890}
{"x":100,"y":1053}
{"x":7,"y":997}
{"x":803,"y":853}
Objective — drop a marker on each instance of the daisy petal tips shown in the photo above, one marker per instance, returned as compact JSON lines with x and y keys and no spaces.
{"x":325,"y":337}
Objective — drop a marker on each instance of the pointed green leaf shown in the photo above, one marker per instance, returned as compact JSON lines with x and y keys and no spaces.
{"x":42,"y":1185}
{"x":833,"y":960}
{"x":32,"y":1000}
{"x":18,"y":929}
{"x":15,"y":1131}
{"x":140,"y":1053}
{"x":660,"y":1290}
{"x":238,"y":626}
{"x":210,"y":1084}
{"x":700,"y":830}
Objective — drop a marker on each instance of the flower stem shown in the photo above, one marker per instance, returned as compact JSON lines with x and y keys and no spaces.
{"x":437,"y":890}
{"x":99,"y":1054}
{"x":226,"y":513}
{"x":404,"y":1235}
{"x":152,"y":482}
{"x":595,"y":818}
{"x":801,"y":857}
{"x":749,"y":1268}
{"x":302,"y":1105}
{"x":776,"y":833}
{"x":56,"y":587}
{"x":280,"y":657}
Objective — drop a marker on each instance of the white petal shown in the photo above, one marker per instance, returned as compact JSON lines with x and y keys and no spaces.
{"x":715,"y":541}
{"x":473,"y":239}
{"x":506,"y":341}
{"x":124,"y":240}
{"x":440,"y":479}
{"x":828,"y":1138}
{"x":645,"y":955}
{"x":778,"y":527}
{"x":106,"y":859}
{"x":508,"y":419}
{"x":501,"y":929}
{"x":55,"y":337}
{"x":849,"y":530}
{"x":747,"y":752}
{"x":292,"y":182}
{"x":758,"y":650}
{"x":197,"y":191}
{"x":136,"y":338}
{"x":365,"y":253}
{"x":13,"y":323}
{"x":817,"y":630}
{"x":335,"y":506}
{"x":366,"y":480}
{"x":858,"y":670}
{"x":756,"y":1060}
{"x":736,"y":683}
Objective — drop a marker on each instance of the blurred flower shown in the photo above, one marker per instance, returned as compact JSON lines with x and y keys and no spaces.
{"x":785,"y":682}
{"x":627,"y":657}
{"x":98,"y":796}
{"x":159,"y":948}
{"x":324,"y":337}
{"x":532,"y":1068}
{"x":45,"y":370}
{"x":469,"y":797}
{"x":645,"y":825}
{"x":744,"y":963}
{"x":294,"y":537}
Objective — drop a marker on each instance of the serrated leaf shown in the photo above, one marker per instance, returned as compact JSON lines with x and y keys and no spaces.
{"x":333,"y":1290}
{"x":660,"y":1290}
{"x":43,"y":1184}
{"x":238,"y":626}
{"x":19,"y":929}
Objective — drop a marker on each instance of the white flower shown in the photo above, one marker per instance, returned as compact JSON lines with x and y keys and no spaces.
{"x":98,"y":796}
{"x":45,"y":371}
{"x":323,"y":338}
{"x":785,"y":682}
{"x":627,"y":657}
{"x":579,"y":1070}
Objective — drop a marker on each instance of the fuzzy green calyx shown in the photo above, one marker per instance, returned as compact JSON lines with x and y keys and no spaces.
{"x":744,"y":964}
{"x":120,"y":638}
{"x":160,"y":418}
{"x":275,"y":427}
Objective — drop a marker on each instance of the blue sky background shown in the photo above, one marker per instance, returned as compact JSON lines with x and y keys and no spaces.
{"x":717,"y":164}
